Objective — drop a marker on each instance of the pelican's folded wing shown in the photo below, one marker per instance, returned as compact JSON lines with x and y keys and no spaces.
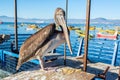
{"x":34,"y":42}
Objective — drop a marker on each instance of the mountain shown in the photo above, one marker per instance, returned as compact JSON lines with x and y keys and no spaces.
{"x":81,"y":21}
{"x":105,"y":21}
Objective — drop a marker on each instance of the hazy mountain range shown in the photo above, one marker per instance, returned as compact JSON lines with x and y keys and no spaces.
{"x":82,"y":21}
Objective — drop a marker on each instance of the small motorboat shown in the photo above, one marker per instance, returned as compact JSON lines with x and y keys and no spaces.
{"x":107,"y":36}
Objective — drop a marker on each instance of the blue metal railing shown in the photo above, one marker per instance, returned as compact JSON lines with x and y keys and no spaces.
{"x":9,"y":59}
{"x":99,"y":50}
{"x":103,"y":50}
{"x":8,"y":62}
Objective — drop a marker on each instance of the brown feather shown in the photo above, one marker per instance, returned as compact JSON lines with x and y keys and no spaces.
{"x":34,"y":42}
{"x":45,"y":40}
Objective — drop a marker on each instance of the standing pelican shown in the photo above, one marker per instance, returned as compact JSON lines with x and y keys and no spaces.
{"x":45,"y":40}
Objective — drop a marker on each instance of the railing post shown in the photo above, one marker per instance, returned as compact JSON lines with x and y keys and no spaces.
{"x":0,"y":54}
{"x":66,"y":16}
{"x":3,"y":59}
{"x":80,"y":46}
{"x":15,"y":25}
{"x":115,"y":53}
{"x":86,"y":35}
{"x":53,"y":51}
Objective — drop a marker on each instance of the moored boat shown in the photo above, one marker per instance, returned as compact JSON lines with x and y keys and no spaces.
{"x":81,"y":33}
{"x":73,"y":28}
{"x":33,"y":27}
{"x":107,"y":36}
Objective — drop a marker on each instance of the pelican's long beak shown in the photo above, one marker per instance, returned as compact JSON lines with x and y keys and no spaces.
{"x":61,"y":20}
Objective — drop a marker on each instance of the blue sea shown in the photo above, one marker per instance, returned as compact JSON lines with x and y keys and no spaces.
{"x":97,"y":47}
{"x":8,"y":27}
{"x":99,"y":50}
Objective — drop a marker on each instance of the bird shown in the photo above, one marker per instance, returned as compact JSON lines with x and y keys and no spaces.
{"x":45,"y":40}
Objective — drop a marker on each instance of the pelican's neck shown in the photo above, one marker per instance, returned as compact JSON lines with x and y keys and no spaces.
{"x":67,"y":30}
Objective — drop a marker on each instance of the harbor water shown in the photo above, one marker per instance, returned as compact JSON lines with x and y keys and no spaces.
{"x":99,"y":50}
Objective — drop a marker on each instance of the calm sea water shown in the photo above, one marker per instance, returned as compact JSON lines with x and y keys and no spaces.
{"x":8,"y":27}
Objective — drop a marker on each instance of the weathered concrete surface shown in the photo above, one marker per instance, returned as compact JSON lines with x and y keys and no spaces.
{"x":72,"y":71}
{"x":64,"y":73}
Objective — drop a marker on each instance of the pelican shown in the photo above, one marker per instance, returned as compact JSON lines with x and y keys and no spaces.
{"x":45,"y":40}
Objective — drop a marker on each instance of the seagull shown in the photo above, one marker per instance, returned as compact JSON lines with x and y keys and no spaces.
{"x":45,"y":40}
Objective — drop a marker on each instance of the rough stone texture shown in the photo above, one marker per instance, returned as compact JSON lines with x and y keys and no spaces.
{"x":72,"y":71}
{"x":3,"y":74}
{"x":96,"y":68}
{"x":64,"y":73}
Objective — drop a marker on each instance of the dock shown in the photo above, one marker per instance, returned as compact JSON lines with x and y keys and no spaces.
{"x":72,"y":70}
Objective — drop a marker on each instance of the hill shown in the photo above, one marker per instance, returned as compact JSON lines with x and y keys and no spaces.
{"x":81,"y":21}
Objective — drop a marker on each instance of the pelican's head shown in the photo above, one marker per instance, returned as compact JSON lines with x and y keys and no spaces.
{"x":60,"y":21}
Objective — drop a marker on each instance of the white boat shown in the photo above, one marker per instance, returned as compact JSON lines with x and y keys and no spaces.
{"x":40,"y":21}
{"x":107,"y":36}
{"x":28,"y":29}
{"x":32,"y":27}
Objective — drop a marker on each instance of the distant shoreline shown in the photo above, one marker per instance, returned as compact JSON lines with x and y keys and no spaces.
{"x":70,"y":21}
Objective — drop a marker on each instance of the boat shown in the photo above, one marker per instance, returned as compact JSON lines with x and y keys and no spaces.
{"x":107,"y":36}
{"x":73,"y":28}
{"x":22,"y":24}
{"x":29,"y":29}
{"x":33,"y":27}
{"x":81,"y":33}
{"x":92,"y":28}
{"x":111,"y":31}
{"x":40,"y":22}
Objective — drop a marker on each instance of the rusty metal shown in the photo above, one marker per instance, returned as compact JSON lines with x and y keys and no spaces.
{"x":66,"y":25}
{"x":64,"y":53}
{"x":15,"y":26}
{"x":86,"y":34}
{"x":103,"y":74}
{"x":66,"y":10}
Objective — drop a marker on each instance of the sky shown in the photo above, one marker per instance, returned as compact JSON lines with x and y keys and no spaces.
{"x":44,"y":9}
